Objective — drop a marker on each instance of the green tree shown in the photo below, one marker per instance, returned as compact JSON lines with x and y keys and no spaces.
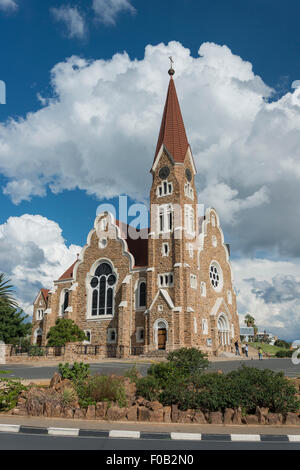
{"x":64,"y":331}
{"x":13,"y":324}
{"x":6,"y":291}
{"x":188,"y":360}
{"x":250,"y":322}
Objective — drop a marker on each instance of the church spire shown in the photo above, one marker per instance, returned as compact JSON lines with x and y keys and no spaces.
{"x":172,"y":131}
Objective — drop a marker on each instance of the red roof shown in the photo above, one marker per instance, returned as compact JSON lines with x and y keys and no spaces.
{"x":68,"y":274}
{"x":172,"y":131}
{"x":45,"y":293}
{"x":139,"y":247}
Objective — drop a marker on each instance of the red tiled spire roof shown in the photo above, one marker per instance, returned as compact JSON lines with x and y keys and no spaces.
{"x":172,"y":132}
{"x":45,"y":293}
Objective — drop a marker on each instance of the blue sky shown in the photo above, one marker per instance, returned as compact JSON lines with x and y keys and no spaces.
{"x":260,"y":60}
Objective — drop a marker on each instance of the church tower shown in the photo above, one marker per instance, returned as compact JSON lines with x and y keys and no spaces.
{"x":173,"y":232}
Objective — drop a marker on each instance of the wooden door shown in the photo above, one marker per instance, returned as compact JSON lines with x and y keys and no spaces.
{"x":162,"y":338}
{"x":39,"y":340}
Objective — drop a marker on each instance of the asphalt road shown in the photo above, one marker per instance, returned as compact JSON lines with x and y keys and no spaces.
{"x":46,"y":372}
{"x":37,"y":442}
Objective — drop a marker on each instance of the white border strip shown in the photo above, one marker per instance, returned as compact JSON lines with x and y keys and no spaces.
{"x":245,"y":437}
{"x":63,"y":431}
{"x":294,"y":437}
{"x":9,"y":427}
{"x":130,"y":434}
{"x":184,"y":436}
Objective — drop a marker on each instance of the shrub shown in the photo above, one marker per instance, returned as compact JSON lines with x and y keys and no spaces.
{"x":133,"y":374}
{"x":189,"y":360}
{"x":282,"y":344}
{"x":164,"y":372}
{"x":9,"y":393}
{"x":36,"y":351}
{"x":76,"y":372}
{"x":284,"y":353}
{"x":69,"y":396}
{"x":64,"y":331}
{"x":101,"y":388}
{"x":148,"y":387}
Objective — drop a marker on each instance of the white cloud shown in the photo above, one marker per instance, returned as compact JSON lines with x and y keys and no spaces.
{"x":72,"y":19}
{"x":8,"y":5}
{"x":98,"y":133}
{"x":33,"y":253}
{"x":271,"y":295}
{"x":107,"y":10}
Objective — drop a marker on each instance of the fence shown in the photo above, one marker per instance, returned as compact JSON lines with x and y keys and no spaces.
{"x":37,"y":351}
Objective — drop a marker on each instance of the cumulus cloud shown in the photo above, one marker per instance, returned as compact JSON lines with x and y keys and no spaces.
{"x":72,"y":19}
{"x":270,"y":291}
{"x":33,"y":253}
{"x":105,"y":115}
{"x":8,"y":5}
{"x":107,"y":10}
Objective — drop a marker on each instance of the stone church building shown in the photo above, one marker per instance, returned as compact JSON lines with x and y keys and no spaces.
{"x":169,"y":287}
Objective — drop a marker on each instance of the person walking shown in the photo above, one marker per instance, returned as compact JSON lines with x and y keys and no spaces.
{"x":237,"y":350}
{"x":246,"y":350}
{"x":260,"y":354}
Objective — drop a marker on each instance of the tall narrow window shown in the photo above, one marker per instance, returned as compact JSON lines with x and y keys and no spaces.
{"x":142,"y":294}
{"x":103,"y":285}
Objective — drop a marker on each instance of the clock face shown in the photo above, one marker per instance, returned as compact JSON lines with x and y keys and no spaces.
{"x":188,"y":174}
{"x":164,"y":172}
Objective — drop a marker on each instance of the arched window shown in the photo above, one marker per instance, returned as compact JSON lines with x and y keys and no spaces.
{"x":142,"y":294}
{"x":103,"y":285}
{"x":64,"y":301}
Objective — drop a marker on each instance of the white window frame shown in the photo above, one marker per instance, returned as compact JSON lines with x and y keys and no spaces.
{"x":138,"y":331}
{"x":193,"y":281}
{"x":213,"y":220}
{"x":167,"y":252}
{"x":137,"y":297}
{"x":219,"y":288}
{"x":189,"y":219}
{"x":86,"y":341}
{"x":195,"y":325}
{"x":229,"y":297}
{"x":109,"y":333}
{"x":214,"y":241}
{"x":165,"y":188}
{"x":165,"y":279}
{"x":203,"y":289}
{"x":165,"y":212}
{"x":89,"y":291}
{"x":188,"y":190}
{"x":205,"y":326}
{"x":39,"y":314}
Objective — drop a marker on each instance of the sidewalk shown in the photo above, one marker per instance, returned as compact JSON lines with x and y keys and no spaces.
{"x":149,"y":427}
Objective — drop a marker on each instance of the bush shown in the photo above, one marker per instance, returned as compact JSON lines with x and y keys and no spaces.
{"x":36,"y":351}
{"x":133,"y":374}
{"x":69,"y":396}
{"x":284,"y":353}
{"x":282,"y":344}
{"x":9,"y":393}
{"x":189,"y":360}
{"x":76,"y":372}
{"x":64,"y":331}
{"x":148,"y":388}
{"x":101,"y":388}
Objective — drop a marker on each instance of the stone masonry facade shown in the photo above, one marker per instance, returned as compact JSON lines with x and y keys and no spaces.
{"x":166,"y":287}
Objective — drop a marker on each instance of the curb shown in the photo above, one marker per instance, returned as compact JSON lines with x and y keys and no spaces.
{"x":75,"y":432}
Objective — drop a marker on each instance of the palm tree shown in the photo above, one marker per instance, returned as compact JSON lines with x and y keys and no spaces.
{"x":6,"y":292}
{"x":250,"y":322}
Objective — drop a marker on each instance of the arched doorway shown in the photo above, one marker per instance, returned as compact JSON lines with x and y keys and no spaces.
{"x":223,"y":330}
{"x":161,"y":334}
{"x":38,"y":336}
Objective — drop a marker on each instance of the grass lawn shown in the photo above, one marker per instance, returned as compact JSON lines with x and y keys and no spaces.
{"x":267,"y":348}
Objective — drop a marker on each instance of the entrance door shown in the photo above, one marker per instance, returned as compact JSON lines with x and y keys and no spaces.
{"x":39,"y":340}
{"x":162,"y":338}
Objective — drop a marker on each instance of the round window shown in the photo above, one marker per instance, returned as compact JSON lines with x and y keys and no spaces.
{"x":216,"y":276}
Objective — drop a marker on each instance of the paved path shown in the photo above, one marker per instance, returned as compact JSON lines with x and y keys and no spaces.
{"x":45,"y":372}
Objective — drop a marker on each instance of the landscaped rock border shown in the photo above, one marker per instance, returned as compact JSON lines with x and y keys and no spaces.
{"x":47,"y":402}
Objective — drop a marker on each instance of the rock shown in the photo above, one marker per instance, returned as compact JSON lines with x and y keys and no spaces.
{"x":130,"y":390}
{"x":101,"y":408}
{"x":228,"y":416}
{"x":56,"y":379}
{"x":91,"y":412}
{"x":199,"y":418}
{"x":144,"y":414}
{"x":292,"y":419}
{"x":15,"y":411}
{"x":275,"y":419}
{"x":237,"y":416}
{"x":186,"y":416}
{"x":251,"y":419}
{"x":68,"y":412}
{"x":79,"y":413}
{"x":262,"y":414}
{"x":167,"y":414}
{"x":216,"y":417}
{"x":48,"y":409}
{"x":174,"y":413}
{"x":131,"y":413}
{"x":115,"y":413}
{"x":56,"y":410}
